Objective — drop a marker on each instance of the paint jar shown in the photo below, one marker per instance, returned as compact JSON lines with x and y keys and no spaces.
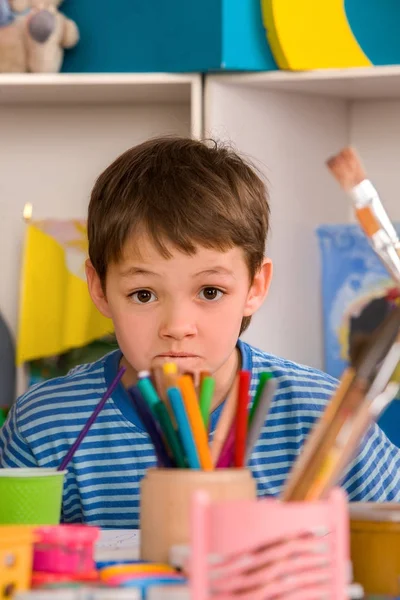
{"x":65,"y":549}
{"x":165,"y":502}
{"x":375,"y":547}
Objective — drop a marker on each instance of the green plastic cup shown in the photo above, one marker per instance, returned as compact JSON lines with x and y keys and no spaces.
{"x":31,"y":496}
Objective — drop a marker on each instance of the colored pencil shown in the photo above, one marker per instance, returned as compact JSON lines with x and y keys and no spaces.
{"x":242,"y":419}
{"x":186,"y":386}
{"x":225,"y":421}
{"x":184,"y":430}
{"x":207,"y":388}
{"x":226,"y":456}
{"x":160,"y":411}
{"x":264,"y":377}
{"x":151,"y":426}
{"x":171,"y":437}
{"x":260,"y":415}
{"x":91,"y":420}
{"x":147,"y":389}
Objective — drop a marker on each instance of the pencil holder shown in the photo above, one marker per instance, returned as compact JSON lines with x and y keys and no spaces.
{"x":165,"y":502}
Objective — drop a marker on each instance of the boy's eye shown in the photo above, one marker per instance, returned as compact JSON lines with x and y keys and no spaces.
{"x":143,"y":297}
{"x":211,"y":293}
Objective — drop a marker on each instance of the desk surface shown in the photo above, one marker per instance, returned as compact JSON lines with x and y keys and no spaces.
{"x":124,"y":544}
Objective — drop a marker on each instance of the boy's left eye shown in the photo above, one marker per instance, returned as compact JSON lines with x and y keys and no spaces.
{"x":211,"y":293}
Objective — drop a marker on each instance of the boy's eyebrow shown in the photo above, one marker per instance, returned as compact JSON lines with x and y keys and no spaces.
{"x":137,"y":271}
{"x":216,"y":271}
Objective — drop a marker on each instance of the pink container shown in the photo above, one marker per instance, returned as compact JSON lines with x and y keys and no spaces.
{"x":65,"y":549}
{"x":259,"y":549}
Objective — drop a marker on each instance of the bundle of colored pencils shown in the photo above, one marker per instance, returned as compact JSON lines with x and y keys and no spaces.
{"x":177,"y":418}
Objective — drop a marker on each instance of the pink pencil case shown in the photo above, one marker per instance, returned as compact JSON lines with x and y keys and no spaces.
{"x":65,"y":549}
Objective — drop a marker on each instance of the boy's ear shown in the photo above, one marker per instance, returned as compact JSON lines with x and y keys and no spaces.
{"x":259,"y":288}
{"x":96,"y":289}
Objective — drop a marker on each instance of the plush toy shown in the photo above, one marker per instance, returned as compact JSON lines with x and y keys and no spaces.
{"x":49,"y":33}
{"x":12,"y":45}
{"x":33,"y":36}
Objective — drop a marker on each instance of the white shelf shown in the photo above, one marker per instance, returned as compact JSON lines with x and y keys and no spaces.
{"x":357,"y":83}
{"x":65,"y":88}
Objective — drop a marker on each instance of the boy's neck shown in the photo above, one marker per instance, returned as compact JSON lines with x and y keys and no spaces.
{"x":224,"y":377}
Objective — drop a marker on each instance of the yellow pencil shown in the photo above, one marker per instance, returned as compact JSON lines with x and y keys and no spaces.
{"x":186,"y":385}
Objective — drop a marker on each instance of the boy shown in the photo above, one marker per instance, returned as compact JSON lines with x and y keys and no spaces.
{"x":177,"y":232}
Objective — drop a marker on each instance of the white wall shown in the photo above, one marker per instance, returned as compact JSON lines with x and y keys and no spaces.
{"x":51,"y":155}
{"x":375,"y":131}
{"x":289,"y":136}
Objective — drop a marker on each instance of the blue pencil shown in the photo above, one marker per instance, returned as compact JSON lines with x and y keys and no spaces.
{"x":184,"y":429}
{"x":151,"y":426}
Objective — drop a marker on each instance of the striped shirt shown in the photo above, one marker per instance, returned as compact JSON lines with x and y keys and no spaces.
{"x":103,"y":481}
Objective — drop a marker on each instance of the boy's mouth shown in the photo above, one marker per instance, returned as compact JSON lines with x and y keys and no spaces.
{"x":177,"y":355}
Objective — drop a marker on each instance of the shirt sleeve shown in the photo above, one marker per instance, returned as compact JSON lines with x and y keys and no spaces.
{"x":374,"y":475}
{"x":14,"y":450}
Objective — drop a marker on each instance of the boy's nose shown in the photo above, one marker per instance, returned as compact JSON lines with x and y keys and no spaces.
{"x":177,"y":325}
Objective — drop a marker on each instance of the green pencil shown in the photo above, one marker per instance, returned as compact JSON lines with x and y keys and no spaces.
{"x":206,"y":395}
{"x":261,"y":384}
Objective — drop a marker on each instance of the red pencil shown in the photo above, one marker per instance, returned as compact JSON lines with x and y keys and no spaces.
{"x":242,"y":418}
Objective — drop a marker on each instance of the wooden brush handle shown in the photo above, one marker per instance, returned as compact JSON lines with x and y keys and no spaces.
{"x":316,"y":437}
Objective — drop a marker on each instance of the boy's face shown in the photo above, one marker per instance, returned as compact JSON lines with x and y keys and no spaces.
{"x":187,"y":309}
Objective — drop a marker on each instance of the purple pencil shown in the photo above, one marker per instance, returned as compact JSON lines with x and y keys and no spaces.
{"x":91,"y":420}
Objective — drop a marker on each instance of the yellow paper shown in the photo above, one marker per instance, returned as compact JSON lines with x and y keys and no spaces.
{"x":56,"y":311}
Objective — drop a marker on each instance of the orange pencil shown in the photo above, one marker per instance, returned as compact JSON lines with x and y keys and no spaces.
{"x":186,"y":385}
{"x":241,"y":419}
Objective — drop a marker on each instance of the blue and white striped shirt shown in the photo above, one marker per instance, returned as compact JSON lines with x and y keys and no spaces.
{"x":103,"y":481}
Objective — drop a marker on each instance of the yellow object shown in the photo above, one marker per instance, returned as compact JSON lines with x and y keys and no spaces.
{"x":311,"y":34}
{"x":133,"y":569}
{"x":56,"y":311}
{"x":375,"y":554}
{"x":170,"y":368}
{"x":16,"y":553}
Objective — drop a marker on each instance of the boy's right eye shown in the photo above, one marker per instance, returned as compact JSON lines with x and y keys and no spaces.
{"x":143,"y":296}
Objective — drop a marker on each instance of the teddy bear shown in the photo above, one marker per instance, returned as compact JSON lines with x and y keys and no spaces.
{"x":12,"y":43}
{"x":35,"y":39}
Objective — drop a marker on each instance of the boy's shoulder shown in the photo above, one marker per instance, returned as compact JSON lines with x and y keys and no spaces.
{"x":294,"y":377}
{"x":82,"y":381}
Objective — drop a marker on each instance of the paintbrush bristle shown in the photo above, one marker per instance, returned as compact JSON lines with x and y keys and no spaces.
{"x":347,"y":169}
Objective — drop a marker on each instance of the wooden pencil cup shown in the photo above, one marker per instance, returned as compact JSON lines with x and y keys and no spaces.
{"x":165,"y":503}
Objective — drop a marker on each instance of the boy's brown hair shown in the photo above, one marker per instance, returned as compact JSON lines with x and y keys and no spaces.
{"x":181,"y":192}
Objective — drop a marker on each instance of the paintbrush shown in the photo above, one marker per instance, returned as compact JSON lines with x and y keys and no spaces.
{"x":349,"y":438}
{"x":369,"y":376}
{"x":349,"y":172}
